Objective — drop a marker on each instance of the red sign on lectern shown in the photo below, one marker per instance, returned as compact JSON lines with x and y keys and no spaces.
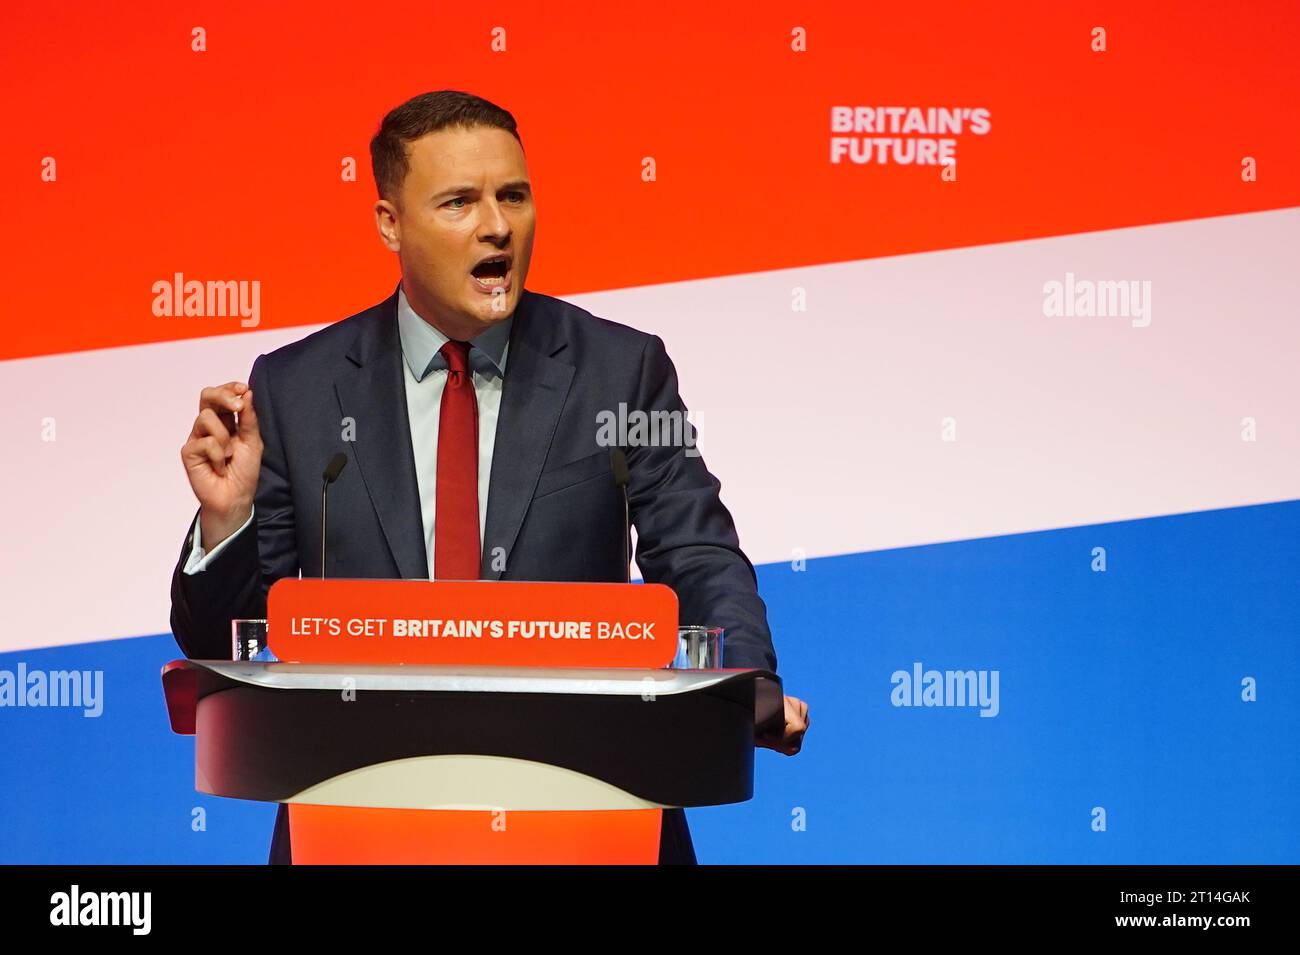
{"x":474,"y":622}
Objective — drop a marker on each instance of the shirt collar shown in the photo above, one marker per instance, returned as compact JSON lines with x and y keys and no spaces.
{"x":421,"y":343}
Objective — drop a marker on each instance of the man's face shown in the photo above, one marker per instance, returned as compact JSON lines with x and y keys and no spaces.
{"x":465,"y":199}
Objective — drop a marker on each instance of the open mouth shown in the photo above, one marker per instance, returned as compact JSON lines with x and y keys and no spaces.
{"x":493,"y":273}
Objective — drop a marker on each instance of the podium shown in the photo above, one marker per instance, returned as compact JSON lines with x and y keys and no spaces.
{"x":463,"y":763}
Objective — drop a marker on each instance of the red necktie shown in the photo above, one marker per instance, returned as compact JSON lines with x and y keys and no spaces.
{"x":455,"y":527}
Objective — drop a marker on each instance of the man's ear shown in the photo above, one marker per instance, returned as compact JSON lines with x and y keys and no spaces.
{"x":387,"y":222}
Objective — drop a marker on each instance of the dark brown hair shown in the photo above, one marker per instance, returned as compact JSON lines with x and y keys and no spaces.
{"x":419,"y":116}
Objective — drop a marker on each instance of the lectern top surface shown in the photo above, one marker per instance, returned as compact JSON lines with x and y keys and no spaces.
{"x":475,"y":679}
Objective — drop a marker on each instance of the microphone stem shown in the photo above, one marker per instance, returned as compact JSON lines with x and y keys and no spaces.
{"x":324,"y":523}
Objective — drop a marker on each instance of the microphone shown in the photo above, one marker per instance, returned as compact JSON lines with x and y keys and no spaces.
{"x":622,"y":478}
{"x":331,"y":474}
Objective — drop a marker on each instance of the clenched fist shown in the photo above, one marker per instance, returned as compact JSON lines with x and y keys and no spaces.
{"x":790,"y":740}
{"x":222,"y":458}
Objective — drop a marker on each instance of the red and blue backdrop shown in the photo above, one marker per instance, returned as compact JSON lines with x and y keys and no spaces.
{"x":988,"y":318}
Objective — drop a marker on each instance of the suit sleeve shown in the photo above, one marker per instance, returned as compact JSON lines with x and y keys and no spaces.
{"x":234,"y":585}
{"x":686,"y":538}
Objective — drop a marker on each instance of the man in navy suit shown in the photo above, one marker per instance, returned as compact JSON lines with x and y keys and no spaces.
{"x":470,"y":406}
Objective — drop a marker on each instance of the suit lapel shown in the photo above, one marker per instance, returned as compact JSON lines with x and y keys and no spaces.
{"x":371,"y":391}
{"x":533,"y":395}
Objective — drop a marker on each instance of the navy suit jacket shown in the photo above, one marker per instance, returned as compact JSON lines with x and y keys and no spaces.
{"x":554,"y":511}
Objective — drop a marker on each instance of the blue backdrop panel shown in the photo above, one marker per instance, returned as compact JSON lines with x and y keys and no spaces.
{"x":1118,"y":691}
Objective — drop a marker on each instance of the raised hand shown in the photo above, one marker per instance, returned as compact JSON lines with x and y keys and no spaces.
{"x":222,"y":458}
